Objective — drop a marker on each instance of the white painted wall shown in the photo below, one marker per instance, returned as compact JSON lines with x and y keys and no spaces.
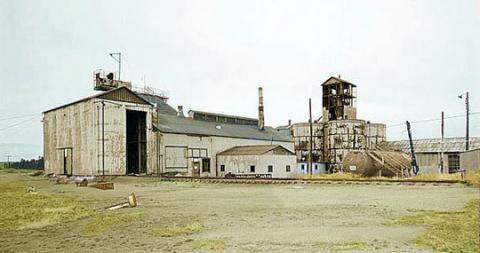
{"x":240,"y":164}
{"x":213,"y":144}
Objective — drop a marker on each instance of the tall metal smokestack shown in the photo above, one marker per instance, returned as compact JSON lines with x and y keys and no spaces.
{"x":261,"y":115}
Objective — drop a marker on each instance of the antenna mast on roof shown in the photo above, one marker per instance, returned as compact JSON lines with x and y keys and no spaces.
{"x":118,"y":59}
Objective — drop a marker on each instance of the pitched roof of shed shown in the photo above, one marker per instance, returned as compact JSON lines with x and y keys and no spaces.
{"x":337,"y":79}
{"x":253,"y":150}
{"x":162,"y":106}
{"x":189,"y":126}
{"x":434,"y":145}
{"x":114,"y":94}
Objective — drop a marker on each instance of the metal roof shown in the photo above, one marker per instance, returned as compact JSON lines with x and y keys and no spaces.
{"x":254,"y":150}
{"x":434,"y":145}
{"x":162,"y":106}
{"x":189,"y":126}
{"x":113,"y":94}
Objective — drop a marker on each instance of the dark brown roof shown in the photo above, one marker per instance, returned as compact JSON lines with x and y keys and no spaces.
{"x":339,"y":80}
{"x":255,"y":150}
{"x":114,"y":94}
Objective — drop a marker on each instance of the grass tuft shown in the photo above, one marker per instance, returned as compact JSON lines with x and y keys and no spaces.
{"x":448,"y":231}
{"x":210,"y":244}
{"x":24,"y":210}
{"x":189,"y":229}
{"x":102,"y":222}
{"x":347,"y":245}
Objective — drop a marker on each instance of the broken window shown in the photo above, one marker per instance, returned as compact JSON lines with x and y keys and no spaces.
{"x":252,"y":168}
{"x":270,"y":168}
{"x":222,"y":167}
{"x":287,"y":168}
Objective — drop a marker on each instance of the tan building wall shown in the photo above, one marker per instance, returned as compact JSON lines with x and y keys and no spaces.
{"x":178,"y":151}
{"x":470,"y":160}
{"x":77,"y":128}
{"x":240,"y":164}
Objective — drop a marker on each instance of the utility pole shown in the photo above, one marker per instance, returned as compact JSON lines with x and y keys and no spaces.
{"x":441,"y":144}
{"x":8,"y":160}
{"x":467,"y":107}
{"x":311,"y":136}
{"x":103,"y":140}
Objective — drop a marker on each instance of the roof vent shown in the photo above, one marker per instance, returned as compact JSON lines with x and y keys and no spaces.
{"x":180,"y":111}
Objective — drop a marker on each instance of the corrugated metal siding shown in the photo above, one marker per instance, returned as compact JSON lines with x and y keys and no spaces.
{"x":123,"y":95}
{"x":434,"y":145}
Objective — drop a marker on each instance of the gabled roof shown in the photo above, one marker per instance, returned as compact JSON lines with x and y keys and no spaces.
{"x":121,"y":94}
{"x":256,"y":150}
{"x":186,"y":125}
{"x":434,"y":145}
{"x":333,"y":79}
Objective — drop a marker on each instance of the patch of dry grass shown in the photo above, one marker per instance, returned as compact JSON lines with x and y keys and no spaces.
{"x":23,"y":210}
{"x":447,"y":231}
{"x":102,"y":222}
{"x":473,"y":178}
{"x":210,"y":244}
{"x":347,"y":245}
{"x":189,"y":229}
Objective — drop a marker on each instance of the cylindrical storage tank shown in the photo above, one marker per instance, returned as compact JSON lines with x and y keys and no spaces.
{"x":360,"y":162}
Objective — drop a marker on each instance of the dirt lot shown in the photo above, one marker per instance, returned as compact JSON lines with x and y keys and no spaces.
{"x":184,"y":217}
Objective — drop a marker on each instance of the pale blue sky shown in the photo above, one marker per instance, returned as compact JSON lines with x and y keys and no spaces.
{"x":410,"y":59}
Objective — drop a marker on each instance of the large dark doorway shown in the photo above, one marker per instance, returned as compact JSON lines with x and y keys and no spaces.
{"x":136,"y":142}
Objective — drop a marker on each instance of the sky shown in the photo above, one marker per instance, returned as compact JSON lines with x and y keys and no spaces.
{"x":409,"y":59}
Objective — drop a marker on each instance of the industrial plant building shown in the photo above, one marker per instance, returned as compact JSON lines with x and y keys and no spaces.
{"x":120,"y":132}
{"x":455,"y":156}
{"x":337,"y":132}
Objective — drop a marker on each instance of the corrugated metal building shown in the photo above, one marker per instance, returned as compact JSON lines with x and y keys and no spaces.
{"x":428,"y":153}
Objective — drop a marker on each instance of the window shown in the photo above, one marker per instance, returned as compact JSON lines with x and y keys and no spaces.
{"x":453,"y":163}
{"x":206,"y":165}
{"x":303,"y":166}
{"x":270,"y":168}
{"x":222,"y":167}
{"x":287,"y":168}
{"x":252,"y":168}
{"x":316,"y":166}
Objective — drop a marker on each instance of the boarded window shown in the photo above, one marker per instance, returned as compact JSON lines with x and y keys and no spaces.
{"x":453,"y":163}
{"x":222,"y":167}
{"x":287,"y":168}
{"x":252,"y":168}
{"x":270,"y":168}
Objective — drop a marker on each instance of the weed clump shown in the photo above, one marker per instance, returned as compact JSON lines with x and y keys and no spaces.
{"x":23,"y":210}
{"x":102,"y":222}
{"x":210,"y":244}
{"x":448,"y":231}
{"x":189,"y":229}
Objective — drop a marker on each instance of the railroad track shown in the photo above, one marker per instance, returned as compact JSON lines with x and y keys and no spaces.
{"x":312,"y":181}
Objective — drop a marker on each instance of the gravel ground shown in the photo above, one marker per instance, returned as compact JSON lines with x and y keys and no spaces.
{"x":241,"y":217}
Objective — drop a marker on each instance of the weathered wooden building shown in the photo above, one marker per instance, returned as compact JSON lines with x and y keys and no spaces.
{"x":455,"y":155}
{"x":338,"y":131}
{"x":110,"y":133}
{"x":119,"y":132}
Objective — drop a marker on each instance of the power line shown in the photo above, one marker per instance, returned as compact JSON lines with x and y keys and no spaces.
{"x":16,"y":124}
{"x":436,"y":119}
{"x":18,"y":117}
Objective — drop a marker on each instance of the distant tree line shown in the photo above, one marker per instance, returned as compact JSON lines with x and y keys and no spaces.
{"x":28,"y":164}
